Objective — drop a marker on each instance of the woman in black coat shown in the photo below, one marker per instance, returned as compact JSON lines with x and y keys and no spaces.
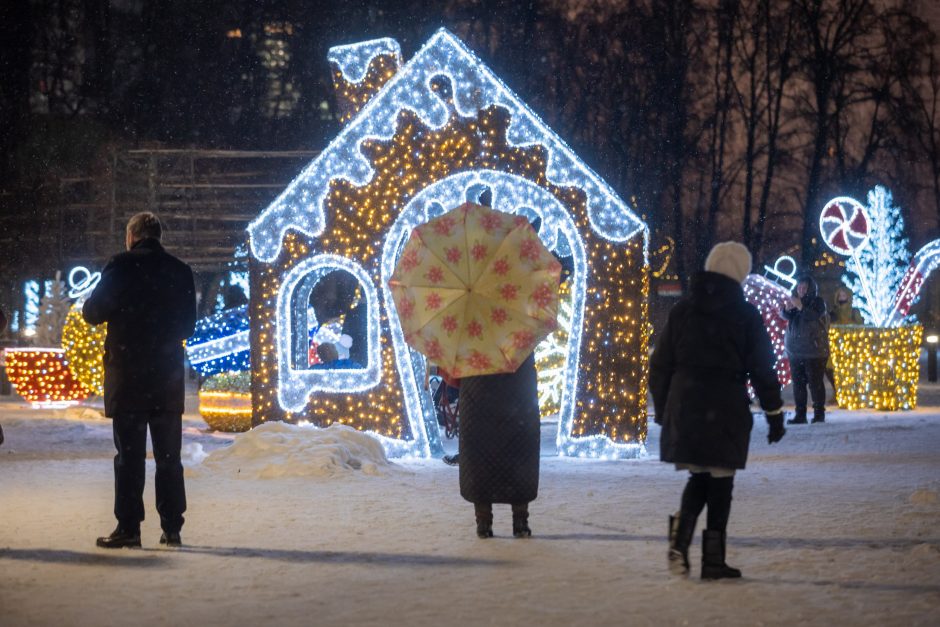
{"x":499,"y":445}
{"x":713,"y":343}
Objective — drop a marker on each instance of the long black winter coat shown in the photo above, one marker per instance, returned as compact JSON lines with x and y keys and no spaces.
{"x":148,"y":299}
{"x":713,"y":342}
{"x":807,"y":335}
{"x":500,"y":436}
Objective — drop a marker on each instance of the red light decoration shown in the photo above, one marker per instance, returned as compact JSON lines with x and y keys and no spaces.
{"x":42,"y":377}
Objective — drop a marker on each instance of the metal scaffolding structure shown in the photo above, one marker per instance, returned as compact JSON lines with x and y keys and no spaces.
{"x":205,"y":199}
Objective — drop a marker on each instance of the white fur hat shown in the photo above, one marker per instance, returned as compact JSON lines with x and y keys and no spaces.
{"x":730,"y":259}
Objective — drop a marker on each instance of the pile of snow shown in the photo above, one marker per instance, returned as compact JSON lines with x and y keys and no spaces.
{"x":79,"y":412}
{"x":279,"y":449}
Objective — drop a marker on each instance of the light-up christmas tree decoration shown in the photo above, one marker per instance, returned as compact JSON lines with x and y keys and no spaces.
{"x":440,"y":131}
{"x":84,"y":350}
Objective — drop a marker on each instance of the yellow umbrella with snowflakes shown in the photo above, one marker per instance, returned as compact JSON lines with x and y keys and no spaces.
{"x":476,"y":290}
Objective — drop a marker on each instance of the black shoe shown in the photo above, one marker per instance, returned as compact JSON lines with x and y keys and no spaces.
{"x":171,"y":538}
{"x":713,"y":557}
{"x":451,"y":460}
{"x":818,"y":417}
{"x":798,"y":419}
{"x":119,"y":539}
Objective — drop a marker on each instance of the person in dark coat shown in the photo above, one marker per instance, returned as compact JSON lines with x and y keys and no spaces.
{"x":148,"y":298}
{"x":714,"y":341}
{"x":807,"y":344}
{"x":500,"y":439}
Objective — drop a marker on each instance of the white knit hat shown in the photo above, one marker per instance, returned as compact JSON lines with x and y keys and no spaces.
{"x":730,"y":259}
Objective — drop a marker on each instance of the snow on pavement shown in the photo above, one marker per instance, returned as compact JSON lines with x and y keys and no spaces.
{"x":837,"y":524}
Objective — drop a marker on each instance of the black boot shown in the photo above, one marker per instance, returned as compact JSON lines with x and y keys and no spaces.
{"x":120,"y":538}
{"x":819,"y":415}
{"x":799,"y":418}
{"x":520,"y":521}
{"x":713,"y":557}
{"x":484,"y":516}
{"x":681,"y":530}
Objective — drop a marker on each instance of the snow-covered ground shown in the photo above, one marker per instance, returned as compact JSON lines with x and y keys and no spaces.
{"x":837,"y":524}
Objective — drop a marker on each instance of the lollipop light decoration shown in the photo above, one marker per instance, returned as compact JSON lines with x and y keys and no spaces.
{"x":876,"y":366}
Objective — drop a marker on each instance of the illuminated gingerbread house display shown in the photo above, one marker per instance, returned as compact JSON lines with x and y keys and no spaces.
{"x":420,"y":139}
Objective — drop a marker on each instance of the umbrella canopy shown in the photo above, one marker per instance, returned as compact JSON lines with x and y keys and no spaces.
{"x":476,"y":290}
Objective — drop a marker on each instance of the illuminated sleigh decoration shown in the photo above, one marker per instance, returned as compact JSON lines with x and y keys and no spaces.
{"x":421,"y":139}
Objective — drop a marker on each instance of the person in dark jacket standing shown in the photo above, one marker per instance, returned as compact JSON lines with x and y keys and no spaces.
{"x":148,"y":298}
{"x":500,"y":438}
{"x":807,"y":344}
{"x":713,"y":343}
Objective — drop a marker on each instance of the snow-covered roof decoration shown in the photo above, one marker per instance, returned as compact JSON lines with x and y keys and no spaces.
{"x":353,"y":60}
{"x":475,"y":87}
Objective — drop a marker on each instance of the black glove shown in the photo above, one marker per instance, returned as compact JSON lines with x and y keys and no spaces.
{"x":775,"y":422}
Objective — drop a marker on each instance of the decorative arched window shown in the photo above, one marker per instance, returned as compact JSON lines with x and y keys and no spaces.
{"x":328,"y":312}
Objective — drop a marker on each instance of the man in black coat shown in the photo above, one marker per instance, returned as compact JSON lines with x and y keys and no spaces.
{"x":713,"y":343}
{"x":807,"y":344}
{"x":148,"y":298}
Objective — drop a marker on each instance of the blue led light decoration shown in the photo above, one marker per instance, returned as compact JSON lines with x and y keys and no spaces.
{"x":443,"y":129}
{"x":220,"y":343}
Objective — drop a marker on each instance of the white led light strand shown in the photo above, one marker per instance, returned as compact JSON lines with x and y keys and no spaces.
{"x":296,"y":385}
{"x":353,"y":60}
{"x":301,"y":205}
{"x":770,"y":298}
